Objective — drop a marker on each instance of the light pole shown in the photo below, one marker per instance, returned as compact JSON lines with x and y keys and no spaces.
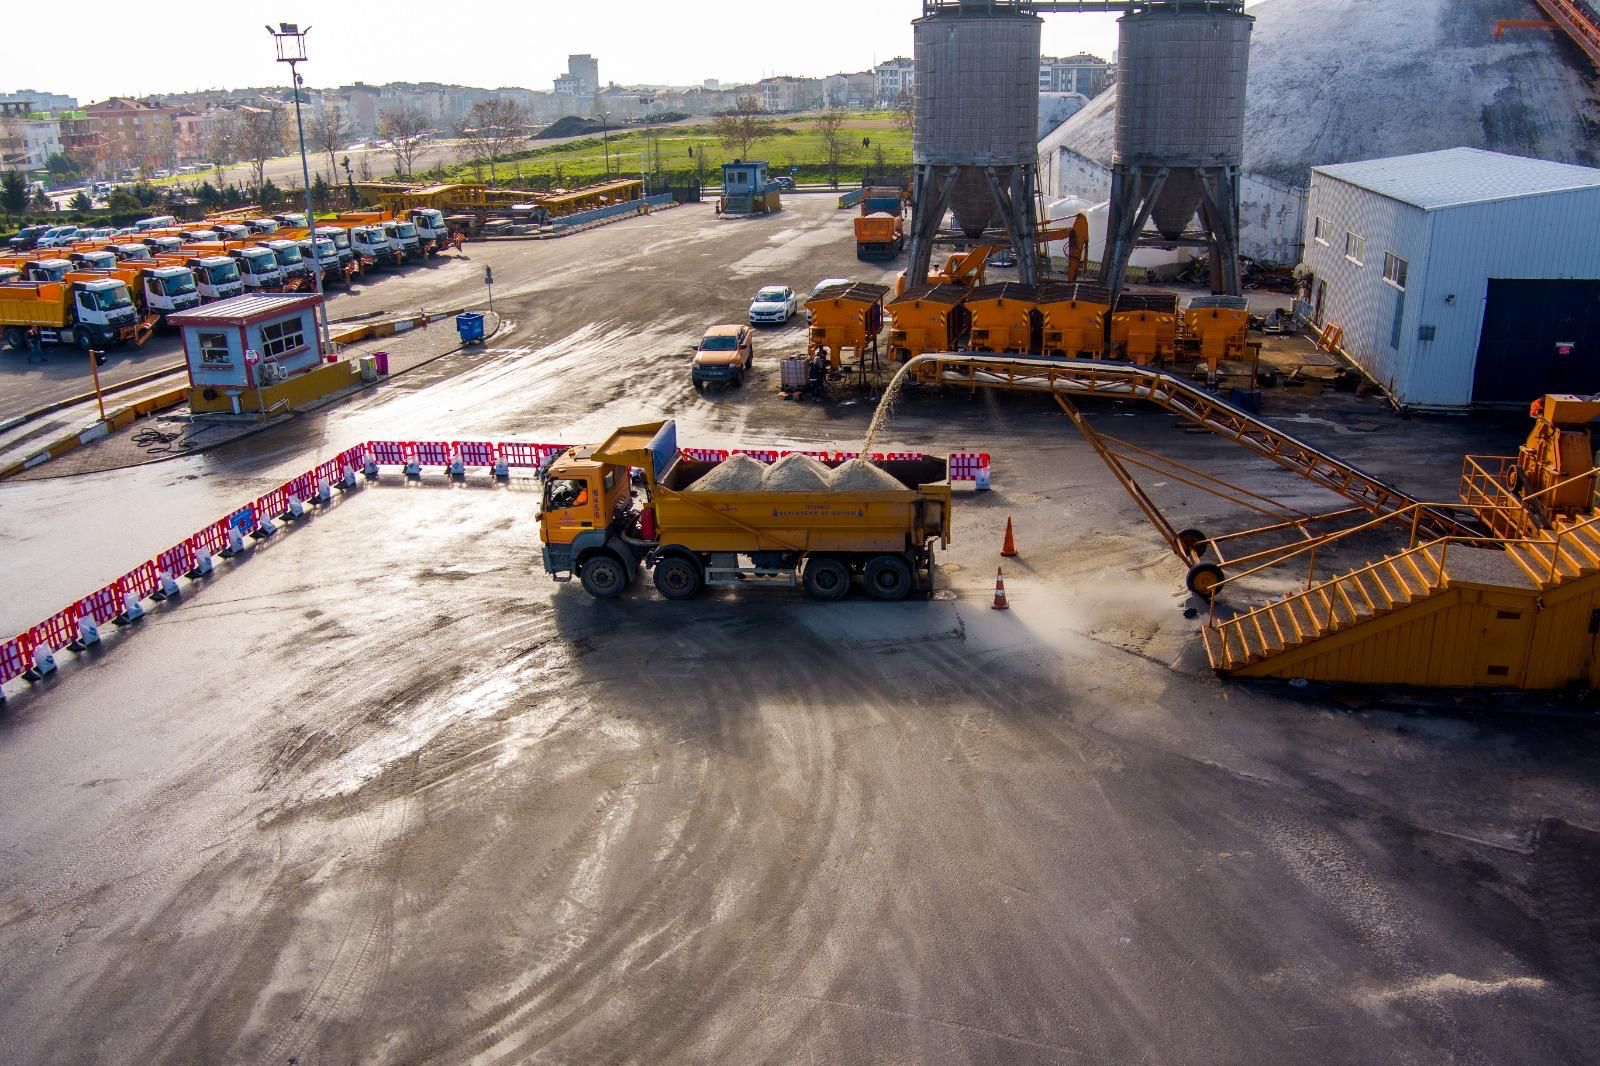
{"x":605,"y":134}
{"x":291,"y":42}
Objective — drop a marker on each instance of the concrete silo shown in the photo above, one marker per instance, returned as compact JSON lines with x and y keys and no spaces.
{"x":1182,"y":66}
{"x":977,"y":115}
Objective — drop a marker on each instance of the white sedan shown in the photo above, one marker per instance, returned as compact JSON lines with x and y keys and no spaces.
{"x":773,"y":305}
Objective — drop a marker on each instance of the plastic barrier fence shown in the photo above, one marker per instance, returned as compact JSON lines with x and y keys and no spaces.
{"x":599,"y":214}
{"x":30,"y":654}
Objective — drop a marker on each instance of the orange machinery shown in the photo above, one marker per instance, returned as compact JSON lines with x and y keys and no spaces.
{"x":1002,"y":317}
{"x":1073,"y":319}
{"x":926,"y":318}
{"x":847,"y":317}
{"x":1217,"y":328}
{"x":1144,"y":327}
{"x":1555,"y":471}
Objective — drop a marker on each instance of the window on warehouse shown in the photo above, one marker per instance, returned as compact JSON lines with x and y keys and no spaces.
{"x":278,"y":338}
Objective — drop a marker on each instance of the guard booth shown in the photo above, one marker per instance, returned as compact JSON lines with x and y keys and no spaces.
{"x":748,"y":190}
{"x":257,"y":353}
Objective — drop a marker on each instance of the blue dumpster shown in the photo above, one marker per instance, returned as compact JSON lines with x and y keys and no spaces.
{"x":469,"y":324}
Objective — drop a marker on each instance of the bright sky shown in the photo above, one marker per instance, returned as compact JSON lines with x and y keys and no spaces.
{"x":637,"y":41}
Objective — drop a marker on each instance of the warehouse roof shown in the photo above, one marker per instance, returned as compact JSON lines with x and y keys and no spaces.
{"x":1456,"y":176}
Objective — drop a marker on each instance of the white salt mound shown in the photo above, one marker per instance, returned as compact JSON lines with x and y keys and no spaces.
{"x":862,"y":476}
{"x":796,"y":473}
{"x":737,"y":473}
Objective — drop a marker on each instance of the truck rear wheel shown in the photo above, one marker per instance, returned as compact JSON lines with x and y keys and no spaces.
{"x":16,"y":338}
{"x":603,"y":577}
{"x":827,"y":579}
{"x":887,"y":577}
{"x":678,"y":578}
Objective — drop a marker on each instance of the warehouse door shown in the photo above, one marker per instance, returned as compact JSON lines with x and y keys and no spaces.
{"x":1538,"y":337}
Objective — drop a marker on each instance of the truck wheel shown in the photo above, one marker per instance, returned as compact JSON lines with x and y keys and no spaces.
{"x":699,"y":386}
{"x":83,"y":339}
{"x":677,"y":578}
{"x":16,"y":338}
{"x":827,"y":579}
{"x":603,"y":577}
{"x":887,"y":577}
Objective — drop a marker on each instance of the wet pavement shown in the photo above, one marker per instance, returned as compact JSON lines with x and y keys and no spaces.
{"x":383,"y":792}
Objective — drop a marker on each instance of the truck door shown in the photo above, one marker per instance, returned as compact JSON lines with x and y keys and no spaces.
{"x":571,"y":506}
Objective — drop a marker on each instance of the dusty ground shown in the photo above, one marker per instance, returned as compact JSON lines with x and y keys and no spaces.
{"x":384,"y":793}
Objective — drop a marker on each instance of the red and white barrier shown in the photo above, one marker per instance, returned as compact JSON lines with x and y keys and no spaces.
{"x":31,"y":654}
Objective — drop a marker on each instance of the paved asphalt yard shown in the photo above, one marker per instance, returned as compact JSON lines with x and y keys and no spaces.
{"x":383,"y":793}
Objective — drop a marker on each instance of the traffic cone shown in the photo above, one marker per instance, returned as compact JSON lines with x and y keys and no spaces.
{"x":1000,"y":603}
{"x":1008,"y":550}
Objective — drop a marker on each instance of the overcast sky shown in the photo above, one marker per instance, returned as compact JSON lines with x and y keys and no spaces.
{"x":102,"y":50}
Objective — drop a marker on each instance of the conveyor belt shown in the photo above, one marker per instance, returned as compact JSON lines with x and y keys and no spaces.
{"x":1128,"y":381}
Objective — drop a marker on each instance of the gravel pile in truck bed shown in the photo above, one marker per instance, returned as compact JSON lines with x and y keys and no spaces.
{"x":796,"y":473}
{"x":737,"y":473}
{"x":863,"y":476}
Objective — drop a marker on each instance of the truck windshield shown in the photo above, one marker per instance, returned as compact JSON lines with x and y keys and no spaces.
{"x":111,"y":299}
{"x":288,"y":255}
{"x":134,"y":251}
{"x":406,"y":230}
{"x":179,"y":284}
{"x":326,"y":250}
{"x":261,"y":261}
{"x":560,"y":494}
{"x":341,"y":239}
{"x":719,"y":344}
{"x":222,"y":273}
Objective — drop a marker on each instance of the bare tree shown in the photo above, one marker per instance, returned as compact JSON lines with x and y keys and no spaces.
{"x":259,"y":134}
{"x":738,"y":130}
{"x":905,"y":111}
{"x":406,"y":129}
{"x":328,"y":131}
{"x":221,"y":140}
{"x":491,"y":129}
{"x":830,"y":127}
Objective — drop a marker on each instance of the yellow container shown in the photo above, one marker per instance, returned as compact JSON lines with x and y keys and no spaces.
{"x":1073,"y":319}
{"x":1002,"y":317}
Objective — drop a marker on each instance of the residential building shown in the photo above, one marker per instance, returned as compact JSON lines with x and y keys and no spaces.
{"x":849,"y":90}
{"x":586,"y":69}
{"x":1082,"y":73}
{"x":38,"y":101}
{"x":1459,"y":278}
{"x":789,"y":94}
{"x":361,"y":107}
{"x":894,"y":77}
{"x":134,"y":134}
{"x":41,"y":139}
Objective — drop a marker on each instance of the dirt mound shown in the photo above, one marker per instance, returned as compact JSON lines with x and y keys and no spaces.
{"x":862,"y":476}
{"x":796,"y":473}
{"x":737,"y":473}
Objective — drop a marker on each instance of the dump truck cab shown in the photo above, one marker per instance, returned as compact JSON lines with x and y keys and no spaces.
{"x":103,"y":311}
{"x":432,"y":229}
{"x":581,"y":495}
{"x":47,"y":269}
{"x":164,"y":245}
{"x":341,"y":244}
{"x":258,"y":268}
{"x":325,"y":255}
{"x":9,"y":274}
{"x":261,"y":225}
{"x":234,"y":231}
{"x":289,"y":258}
{"x":373,"y":244}
{"x":404,"y":236}
{"x":169,"y":289}
{"x":98,"y":259}
{"x":216,"y":277}
{"x":132,"y":253}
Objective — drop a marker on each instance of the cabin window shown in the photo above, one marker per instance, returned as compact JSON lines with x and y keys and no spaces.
{"x":214,"y":348}
{"x":278,"y":338}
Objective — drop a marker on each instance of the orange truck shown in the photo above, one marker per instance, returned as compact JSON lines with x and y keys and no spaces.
{"x":89,"y":310}
{"x":880,"y":235}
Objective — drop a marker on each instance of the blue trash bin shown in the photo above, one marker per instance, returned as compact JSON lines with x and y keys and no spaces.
{"x":469,"y":324}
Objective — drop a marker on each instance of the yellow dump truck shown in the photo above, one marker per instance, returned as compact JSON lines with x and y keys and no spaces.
{"x":880,"y":235}
{"x":874,"y":523}
{"x":87,"y":310}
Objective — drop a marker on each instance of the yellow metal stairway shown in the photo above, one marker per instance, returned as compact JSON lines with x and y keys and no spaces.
{"x":1453,"y":611}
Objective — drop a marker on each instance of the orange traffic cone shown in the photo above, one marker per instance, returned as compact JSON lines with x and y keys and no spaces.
{"x":1008,"y":550}
{"x":1000,"y":603}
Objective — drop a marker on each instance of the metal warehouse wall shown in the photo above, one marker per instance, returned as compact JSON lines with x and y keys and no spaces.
{"x":1358,"y":299}
{"x":1449,"y":251}
{"x":1551,"y":235}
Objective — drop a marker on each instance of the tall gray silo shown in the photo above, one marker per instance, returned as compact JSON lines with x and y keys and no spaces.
{"x":1182,"y":66}
{"x":977,"y":116}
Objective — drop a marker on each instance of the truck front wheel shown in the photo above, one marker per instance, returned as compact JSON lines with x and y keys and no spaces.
{"x":83,"y":337}
{"x":603,"y":577}
{"x":678,"y":578}
{"x":887,"y":577}
{"x":827,"y":579}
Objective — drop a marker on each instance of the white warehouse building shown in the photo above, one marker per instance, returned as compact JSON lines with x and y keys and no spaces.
{"x":1461,"y":277}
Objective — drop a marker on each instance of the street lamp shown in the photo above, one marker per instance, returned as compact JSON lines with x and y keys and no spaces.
{"x":605,"y":134}
{"x":291,"y":42}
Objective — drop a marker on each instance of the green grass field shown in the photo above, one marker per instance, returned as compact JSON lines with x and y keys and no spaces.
{"x":796,"y":149}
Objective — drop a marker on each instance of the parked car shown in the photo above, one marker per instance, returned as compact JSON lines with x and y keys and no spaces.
{"x":785,"y":183}
{"x":773,"y":305}
{"x":825,"y":283}
{"x":725,"y":354}
{"x":58,"y":236}
{"x":27,"y":238}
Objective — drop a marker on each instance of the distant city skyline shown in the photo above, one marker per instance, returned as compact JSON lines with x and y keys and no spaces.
{"x":375,"y":43}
